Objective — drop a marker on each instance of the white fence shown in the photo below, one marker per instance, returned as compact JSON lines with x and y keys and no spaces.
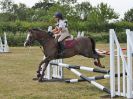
{"x":4,"y":47}
{"x":54,"y":71}
{"x":80,"y":34}
{"x":121,"y":86}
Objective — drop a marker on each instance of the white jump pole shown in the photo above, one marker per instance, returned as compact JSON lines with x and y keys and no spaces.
{"x":107,"y":76}
{"x":129,"y":63}
{"x":126,"y":89}
{"x":78,"y":35}
{"x":82,"y":34}
{"x":6,"y":47}
{"x":1,"y":46}
{"x":112,"y":65}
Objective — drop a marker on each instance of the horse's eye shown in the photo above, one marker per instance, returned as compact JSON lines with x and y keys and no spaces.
{"x":30,"y":36}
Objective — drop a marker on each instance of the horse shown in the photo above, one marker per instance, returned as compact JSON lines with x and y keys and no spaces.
{"x":84,"y":46}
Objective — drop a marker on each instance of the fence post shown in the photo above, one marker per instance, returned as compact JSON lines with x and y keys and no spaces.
{"x":6,"y":47}
{"x":129,"y":64}
{"x":112,"y":65}
{"x":1,"y":46}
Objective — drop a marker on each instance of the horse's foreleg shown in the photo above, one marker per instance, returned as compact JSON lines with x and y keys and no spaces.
{"x":43,"y":70}
{"x":41,"y":63}
{"x":39,"y":68}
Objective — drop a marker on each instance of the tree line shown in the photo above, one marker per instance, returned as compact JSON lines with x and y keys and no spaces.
{"x":19,"y":17}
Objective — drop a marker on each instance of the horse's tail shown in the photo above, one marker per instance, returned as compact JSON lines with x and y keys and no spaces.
{"x":94,"y":48}
{"x":93,"y":45}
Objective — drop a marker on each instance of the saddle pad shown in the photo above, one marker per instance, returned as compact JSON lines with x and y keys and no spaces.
{"x":69,"y":43}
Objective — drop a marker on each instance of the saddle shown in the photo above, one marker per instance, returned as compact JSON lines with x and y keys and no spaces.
{"x":69,"y":43}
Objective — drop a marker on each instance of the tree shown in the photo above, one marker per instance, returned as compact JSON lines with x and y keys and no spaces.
{"x":45,"y":5}
{"x":67,"y":1}
{"x":83,"y":9}
{"x":6,"y":5}
{"x":106,"y":13}
{"x":102,"y":14}
{"x":20,"y":11}
{"x":12,"y":12}
{"x":41,"y":10}
{"x":128,"y":16}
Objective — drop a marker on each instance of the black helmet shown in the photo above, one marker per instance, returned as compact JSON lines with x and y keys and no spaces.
{"x":58,"y":15}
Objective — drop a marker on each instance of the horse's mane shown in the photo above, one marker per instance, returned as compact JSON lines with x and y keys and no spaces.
{"x":37,"y":29}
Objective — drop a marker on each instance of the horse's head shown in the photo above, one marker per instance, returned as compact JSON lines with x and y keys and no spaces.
{"x":36,"y":34}
{"x":31,"y":37}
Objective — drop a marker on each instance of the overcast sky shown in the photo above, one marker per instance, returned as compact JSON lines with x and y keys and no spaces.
{"x":120,"y":6}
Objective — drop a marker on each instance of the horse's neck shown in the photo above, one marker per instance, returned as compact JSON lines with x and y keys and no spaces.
{"x":47,"y":42}
{"x":42,"y":38}
{"x":44,"y":41}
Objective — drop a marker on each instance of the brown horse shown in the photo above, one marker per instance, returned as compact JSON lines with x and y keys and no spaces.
{"x":84,"y":46}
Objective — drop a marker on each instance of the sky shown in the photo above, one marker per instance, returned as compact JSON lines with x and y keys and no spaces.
{"x":120,"y":6}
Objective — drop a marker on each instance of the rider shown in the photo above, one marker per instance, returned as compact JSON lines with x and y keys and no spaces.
{"x":61,"y":31}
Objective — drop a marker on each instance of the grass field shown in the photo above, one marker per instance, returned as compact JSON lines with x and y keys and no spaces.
{"x":19,"y":67}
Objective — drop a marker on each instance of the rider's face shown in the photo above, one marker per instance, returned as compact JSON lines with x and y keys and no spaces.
{"x":56,"y":19}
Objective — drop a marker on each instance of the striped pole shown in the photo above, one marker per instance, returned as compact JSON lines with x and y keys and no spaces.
{"x":91,"y":78}
{"x":101,"y":87}
{"x":83,"y":68}
{"x":90,"y":69}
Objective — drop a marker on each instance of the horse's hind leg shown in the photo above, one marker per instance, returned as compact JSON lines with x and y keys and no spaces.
{"x":96,"y":57}
{"x":97,"y":61}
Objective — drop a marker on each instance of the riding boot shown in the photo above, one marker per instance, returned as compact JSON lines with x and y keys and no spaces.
{"x":61,"y":48}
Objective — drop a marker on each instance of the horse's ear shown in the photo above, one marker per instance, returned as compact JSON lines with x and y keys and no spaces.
{"x":30,"y":30}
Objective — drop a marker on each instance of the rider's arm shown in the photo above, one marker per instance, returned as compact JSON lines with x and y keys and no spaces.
{"x":58,"y":31}
{"x":61,"y":25}
{"x":54,"y":30}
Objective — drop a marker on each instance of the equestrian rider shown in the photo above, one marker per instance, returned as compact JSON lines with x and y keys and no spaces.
{"x":61,"y":31}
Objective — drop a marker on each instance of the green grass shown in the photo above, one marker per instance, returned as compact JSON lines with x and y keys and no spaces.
{"x":19,"y":67}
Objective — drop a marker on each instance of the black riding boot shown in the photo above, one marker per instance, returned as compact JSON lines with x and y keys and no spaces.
{"x":60,"y":48}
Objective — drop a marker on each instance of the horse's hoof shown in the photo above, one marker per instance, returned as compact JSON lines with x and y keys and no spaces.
{"x":35,"y":79}
{"x":95,"y":63}
{"x":40,"y":79}
{"x":38,"y":75}
{"x":99,"y":65}
{"x":38,"y":71}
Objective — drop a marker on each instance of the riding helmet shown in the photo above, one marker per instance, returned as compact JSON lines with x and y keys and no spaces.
{"x":58,"y":15}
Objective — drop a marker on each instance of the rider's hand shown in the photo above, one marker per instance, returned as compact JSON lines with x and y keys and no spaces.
{"x":50,"y":33}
